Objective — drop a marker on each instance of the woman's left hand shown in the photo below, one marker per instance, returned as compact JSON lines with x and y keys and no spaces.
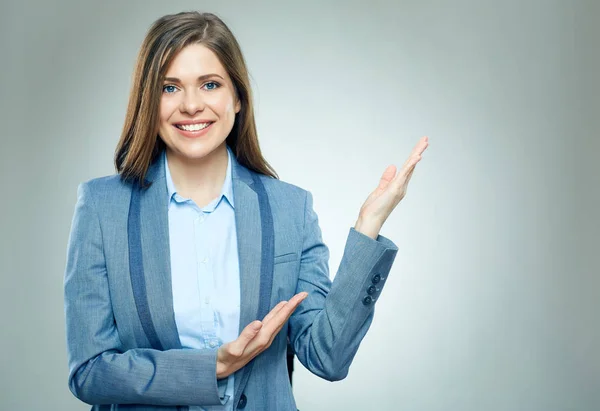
{"x":390,"y":191}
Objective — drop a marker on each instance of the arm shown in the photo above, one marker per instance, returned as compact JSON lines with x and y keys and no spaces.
{"x":327,"y":328}
{"x":101,"y":371}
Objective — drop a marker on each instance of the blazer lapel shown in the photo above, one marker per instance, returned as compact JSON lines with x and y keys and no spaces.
{"x":150,"y":270}
{"x":255,"y":238}
{"x":248,"y":230}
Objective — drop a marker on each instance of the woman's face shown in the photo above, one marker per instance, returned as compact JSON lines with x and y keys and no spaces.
{"x":198,"y":104}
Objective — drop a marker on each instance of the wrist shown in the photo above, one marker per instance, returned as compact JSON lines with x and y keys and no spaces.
{"x":222,"y":370}
{"x":368,"y":227}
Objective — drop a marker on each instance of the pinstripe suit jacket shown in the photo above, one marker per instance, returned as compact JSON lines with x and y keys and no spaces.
{"x":123,"y":347}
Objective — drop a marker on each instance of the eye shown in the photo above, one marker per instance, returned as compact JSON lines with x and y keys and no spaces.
{"x":169,"y":88}
{"x":211,"y":85}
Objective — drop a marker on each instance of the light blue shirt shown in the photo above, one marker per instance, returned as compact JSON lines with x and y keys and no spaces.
{"x":205,"y":272}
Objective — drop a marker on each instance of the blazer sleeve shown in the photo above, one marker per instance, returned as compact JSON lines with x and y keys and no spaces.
{"x":328,"y":326}
{"x":101,"y":371}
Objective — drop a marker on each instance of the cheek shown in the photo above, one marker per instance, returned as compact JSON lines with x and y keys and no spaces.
{"x":167,"y":107}
{"x":230,"y":108}
{"x":223,"y":104}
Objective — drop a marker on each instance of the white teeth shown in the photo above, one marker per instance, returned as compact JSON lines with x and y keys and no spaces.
{"x":193,"y":127}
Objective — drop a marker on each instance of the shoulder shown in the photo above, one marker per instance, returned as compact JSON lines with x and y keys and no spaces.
{"x":102,"y":190}
{"x":290,"y":203}
{"x":284,"y":191}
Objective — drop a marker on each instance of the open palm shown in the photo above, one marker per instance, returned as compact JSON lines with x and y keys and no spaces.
{"x":392,"y":187}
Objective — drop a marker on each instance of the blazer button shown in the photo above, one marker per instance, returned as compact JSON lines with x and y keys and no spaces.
{"x":376,"y":278}
{"x":367,"y":300}
{"x":371,"y":290}
{"x":242,"y":402}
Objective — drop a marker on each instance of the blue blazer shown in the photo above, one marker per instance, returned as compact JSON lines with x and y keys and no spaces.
{"x":123,"y":347}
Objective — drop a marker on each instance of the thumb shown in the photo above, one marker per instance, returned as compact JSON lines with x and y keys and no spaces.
{"x":388,"y":175}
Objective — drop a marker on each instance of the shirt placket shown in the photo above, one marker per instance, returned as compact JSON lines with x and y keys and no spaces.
{"x":205,"y":283}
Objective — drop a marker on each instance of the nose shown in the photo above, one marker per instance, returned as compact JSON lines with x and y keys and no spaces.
{"x":192,"y":102}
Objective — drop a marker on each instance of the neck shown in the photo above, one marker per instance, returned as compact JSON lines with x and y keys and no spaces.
{"x":202,"y":179}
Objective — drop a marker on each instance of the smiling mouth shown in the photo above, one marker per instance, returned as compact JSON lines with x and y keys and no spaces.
{"x":193,"y":127}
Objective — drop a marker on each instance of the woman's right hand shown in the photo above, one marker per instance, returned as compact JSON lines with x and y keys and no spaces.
{"x":255,"y":338}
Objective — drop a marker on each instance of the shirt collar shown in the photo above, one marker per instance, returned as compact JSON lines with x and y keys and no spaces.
{"x":226,"y":190}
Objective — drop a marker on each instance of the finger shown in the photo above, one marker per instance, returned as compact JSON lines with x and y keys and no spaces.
{"x":237,"y":347}
{"x":407,"y":180}
{"x":269,"y":331}
{"x":273,"y":318}
{"x":387,"y":177}
{"x":291,"y":305}
{"x":411,"y":161}
{"x":421,"y":145}
{"x":400,"y":180}
{"x":411,"y":169}
{"x":274,"y":311}
{"x":282,"y":321}
{"x":284,"y":313}
{"x":298,"y":298}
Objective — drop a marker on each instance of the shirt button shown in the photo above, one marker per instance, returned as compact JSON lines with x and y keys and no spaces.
{"x":242,"y":402}
{"x":376,"y":278}
{"x":212,"y":344}
{"x":367,"y":300}
{"x":371,"y":290}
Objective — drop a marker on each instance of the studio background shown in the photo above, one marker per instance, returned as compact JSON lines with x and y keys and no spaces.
{"x":493,"y":300}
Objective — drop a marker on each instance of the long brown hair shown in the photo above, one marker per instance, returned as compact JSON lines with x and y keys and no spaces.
{"x":140,"y":144}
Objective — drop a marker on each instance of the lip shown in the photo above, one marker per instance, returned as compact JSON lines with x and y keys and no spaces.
{"x":188,"y":122}
{"x":193,"y":134}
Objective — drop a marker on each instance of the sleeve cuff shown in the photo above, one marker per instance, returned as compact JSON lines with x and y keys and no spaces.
{"x":222,"y":385}
{"x":380,"y":241}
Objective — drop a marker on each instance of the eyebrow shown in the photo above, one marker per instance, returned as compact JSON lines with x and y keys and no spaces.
{"x":201,"y":78}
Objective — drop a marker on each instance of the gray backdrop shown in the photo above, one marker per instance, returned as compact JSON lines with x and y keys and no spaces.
{"x":492,"y":303}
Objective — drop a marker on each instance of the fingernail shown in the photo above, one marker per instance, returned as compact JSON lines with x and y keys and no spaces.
{"x":256,"y":325}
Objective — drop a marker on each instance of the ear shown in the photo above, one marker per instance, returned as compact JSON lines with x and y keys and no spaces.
{"x":238,"y":105}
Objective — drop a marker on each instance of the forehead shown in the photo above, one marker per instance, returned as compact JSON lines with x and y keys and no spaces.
{"x":193,"y":61}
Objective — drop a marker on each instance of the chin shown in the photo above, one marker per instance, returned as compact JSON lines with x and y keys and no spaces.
{"x":196,"y":151}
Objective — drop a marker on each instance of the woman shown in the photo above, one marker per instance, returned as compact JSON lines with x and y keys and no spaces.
{"x":188,"y":271}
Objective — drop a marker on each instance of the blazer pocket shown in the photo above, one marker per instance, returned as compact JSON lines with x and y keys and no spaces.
{"x":284,"y":258}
